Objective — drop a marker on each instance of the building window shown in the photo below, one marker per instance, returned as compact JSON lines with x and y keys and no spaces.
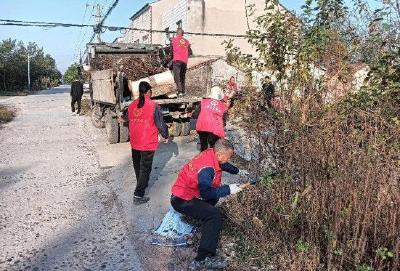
{"x":145,"y":38}
{"x":179,"y":24}
{"x":136,"y":41}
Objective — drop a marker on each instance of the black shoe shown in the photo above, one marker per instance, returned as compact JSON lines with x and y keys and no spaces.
{"x":181,"y":94}
{"x":140,"y":200}
{"x":208,"y":263}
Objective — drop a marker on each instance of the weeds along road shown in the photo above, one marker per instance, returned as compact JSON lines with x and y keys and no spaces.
{"x":66,"y":196}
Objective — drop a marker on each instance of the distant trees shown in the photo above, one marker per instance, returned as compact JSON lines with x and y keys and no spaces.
{"x":14,"y":63}
{"x":71,"y":73}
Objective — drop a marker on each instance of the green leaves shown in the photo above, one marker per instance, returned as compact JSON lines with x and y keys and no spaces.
{"x":14,"y":62}
{"x":71,"y":73}
{"x":384,"y":253}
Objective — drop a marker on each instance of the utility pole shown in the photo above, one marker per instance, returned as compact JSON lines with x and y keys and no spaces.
{"x":98,"y":22}
{"x":29,"y":73}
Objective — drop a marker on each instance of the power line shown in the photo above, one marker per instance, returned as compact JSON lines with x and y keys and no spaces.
{"x":78,"y":44}
{"x":99,"y":25}
{"x":110,"y":28}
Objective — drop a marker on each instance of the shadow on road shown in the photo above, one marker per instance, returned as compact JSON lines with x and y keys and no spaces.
{"x":10,"y":177}
{"x":57,"y":90}
{"x":162,"y":157}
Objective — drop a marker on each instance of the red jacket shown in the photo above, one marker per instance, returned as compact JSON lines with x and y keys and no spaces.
{"x":180,"y":49}
{"x":143,"y":132}
{"x":211,"y":117}
{"x":186,"y":185}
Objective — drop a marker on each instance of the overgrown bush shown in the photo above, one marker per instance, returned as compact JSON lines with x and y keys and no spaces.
{"x":6,"y":114}
{"x":332,"y":202}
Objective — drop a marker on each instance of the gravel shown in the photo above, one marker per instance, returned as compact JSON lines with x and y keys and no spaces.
{"x":57,"y":211}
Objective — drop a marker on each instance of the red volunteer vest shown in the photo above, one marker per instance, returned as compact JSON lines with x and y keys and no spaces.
{"x":180,"y":48}
{"x":143,"y":132}
{"x":211,"y":117}
{"x":186,"y":185}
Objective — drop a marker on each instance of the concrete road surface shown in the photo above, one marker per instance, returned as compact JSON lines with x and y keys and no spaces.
{"x":66,"y":194}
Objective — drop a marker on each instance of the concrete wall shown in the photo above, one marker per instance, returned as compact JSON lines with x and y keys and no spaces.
{"x":219,"y":16}
{"x":203,"y":16}
{"x":160,"y":9}
{"x":143,"y":21}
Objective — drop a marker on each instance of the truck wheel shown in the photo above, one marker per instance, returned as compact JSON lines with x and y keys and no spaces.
{"x":112,"y":129}
{"x":175,"y":129}
{"x":123,"y":133}
{"x":185,"y":128}
{"x":97,"y":117}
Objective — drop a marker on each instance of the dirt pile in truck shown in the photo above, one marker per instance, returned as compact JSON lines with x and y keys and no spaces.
{"x":134,"y":67}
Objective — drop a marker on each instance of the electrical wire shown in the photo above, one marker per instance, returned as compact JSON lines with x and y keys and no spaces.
{"x":111,"y":28}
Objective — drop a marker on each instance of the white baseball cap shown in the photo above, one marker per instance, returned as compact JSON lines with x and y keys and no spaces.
{"x":216,"y":93}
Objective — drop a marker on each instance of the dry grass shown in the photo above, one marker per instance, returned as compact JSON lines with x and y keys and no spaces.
{"x":85,"y":107}
{"x":333,"y":204}
{"x":6,"y":114}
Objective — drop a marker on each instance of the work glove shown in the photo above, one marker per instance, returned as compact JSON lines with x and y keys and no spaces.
{"x":234,"y":188}
{"x":243,"y":173}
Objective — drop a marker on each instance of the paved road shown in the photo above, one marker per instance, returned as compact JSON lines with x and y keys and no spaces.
{"x":57,"y":209}
{"x":66,"y":195}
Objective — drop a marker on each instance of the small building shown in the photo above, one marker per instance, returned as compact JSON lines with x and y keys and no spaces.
{"x":195,"y":16}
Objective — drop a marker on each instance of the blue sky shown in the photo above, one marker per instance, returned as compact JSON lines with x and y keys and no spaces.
{"x":64,"y":43}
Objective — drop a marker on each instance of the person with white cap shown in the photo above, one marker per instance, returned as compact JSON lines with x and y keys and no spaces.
{"x":196,"y":191}
{"x":210,"y":124}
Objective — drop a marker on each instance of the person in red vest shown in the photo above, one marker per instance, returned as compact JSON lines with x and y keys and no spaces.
{"x":180,"y":54}
{"x":210,"y":124}
{"x":145,"y":123}
{"x":231,"y":88}
{"x":197,"y":190}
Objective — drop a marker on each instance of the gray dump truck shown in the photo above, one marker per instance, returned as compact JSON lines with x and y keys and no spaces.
{"x":115,"y":70}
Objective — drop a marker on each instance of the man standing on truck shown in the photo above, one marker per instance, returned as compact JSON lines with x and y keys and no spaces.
{"x":145,"y":122}
{"x":197,"y":190}
{"x":210,"y":124}
{"x":76,"y":95}
{"x":180,"y":54}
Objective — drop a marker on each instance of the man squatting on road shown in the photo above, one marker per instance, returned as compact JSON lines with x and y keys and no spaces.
{"x":210,"y":123}
{"x":180,"y":54}
{"x":76,"y":95}
{"x":145,"y":122}
{"x":196,"y":191}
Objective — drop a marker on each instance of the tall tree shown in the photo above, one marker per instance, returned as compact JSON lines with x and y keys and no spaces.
{"x":71,"y":73}
{"x":14,"y":62}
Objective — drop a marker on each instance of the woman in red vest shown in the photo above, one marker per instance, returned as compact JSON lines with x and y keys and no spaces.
{"x":145,"y":122}
{"x":231,"y":88}
{"x":210,"y":124}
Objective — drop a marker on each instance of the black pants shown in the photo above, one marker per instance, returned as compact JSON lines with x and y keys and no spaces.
{"x":179,"y":69}
{"x":211,"y":217}
{"x":76,"y":100}
{"x":207,"y":140}
{"x":142,"y":163}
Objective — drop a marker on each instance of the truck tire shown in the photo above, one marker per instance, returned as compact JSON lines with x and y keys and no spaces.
{"x":96,"y":117}
{"x":185,"y":128}
{"x":112,"y":129}
{"x":175,"y":129}
{"x":123,"y":133}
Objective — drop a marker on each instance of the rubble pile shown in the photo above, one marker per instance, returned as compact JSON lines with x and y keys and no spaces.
{"x":134,"y":67}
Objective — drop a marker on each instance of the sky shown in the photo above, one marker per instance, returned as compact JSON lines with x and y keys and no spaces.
{"x":64,"y":44}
